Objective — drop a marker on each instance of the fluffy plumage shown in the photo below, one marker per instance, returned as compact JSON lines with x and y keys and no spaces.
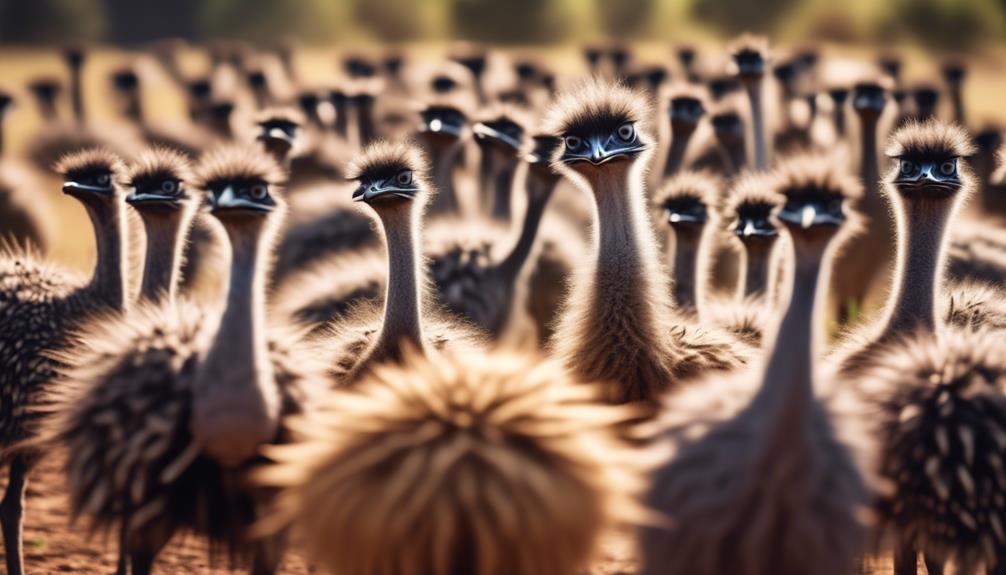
{"x":89,"y":161}
{"x":816,"y":175}
{"x":930,"y":139}
{"x":752,"y":192}
{"x":237,"y":163}
{"x":157,"y":163}
{"x":386,"y":159}
{"x":596,"y":107}
{"x":25,"y":216}
{"x":940,"y":411}
{"x":702,"y":187}
{"x":457,"y":464}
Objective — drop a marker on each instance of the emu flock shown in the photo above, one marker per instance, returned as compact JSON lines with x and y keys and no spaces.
{"x":478,"y":315}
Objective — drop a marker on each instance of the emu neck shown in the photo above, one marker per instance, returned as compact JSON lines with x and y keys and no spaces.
{"x":626,"y":264}
{"x":109,"y":281}
{"x":443,"y":158}
{"x":787,"y":390}
{"x":506,"y":168}
{"x":160,"y":269}
{"x":687,"y":243}
{"x":758,"y":275}
{"x":238,"y":358}
{"x":77,"y":93}
{"x":681,"y":134}
{"x":873,"y":204}
{"x":539,"y":191}
{"x":754,"y":92}
{"x":402,"y":324}
{"x":922,"y":226}
{"x":957,"y":99}
{"x":734,"y":148}
{"x":134,"y":107}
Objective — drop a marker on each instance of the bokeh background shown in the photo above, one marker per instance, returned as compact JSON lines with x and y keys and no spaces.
{"x":958,"y":25}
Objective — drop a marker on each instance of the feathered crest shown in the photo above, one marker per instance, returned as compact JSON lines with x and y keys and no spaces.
{"x":158,"y":163}
{"x":596,"y":106}
{"x":438,"y":458}
{"x":504,"y":112}
{"x":90,"y":161}
{"x":688,"y":91}
{"x":236,"y":162}
{"x":932,"y":140}
{"x":753,"y":191}
{"x":750,"y":44}
{"x":702,"y":186}
{"x":280,"y":115}
{"x":385,"y":158}
{"x":816,"y":174}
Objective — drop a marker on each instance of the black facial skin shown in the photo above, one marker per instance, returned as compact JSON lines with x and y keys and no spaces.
{"x":544,"y":149}
{"x":720,"y":87}
{"x":92,"y":182}
{"x":246,"y":196}
{"x":755,"y":220}
{"x":391,"y":183}
{"x":158,"y":190}
{"x":685,"y":211}
{"x":442,"y":120}
{"x":750,"y":64}
{"x":686,"y":109}
{"x":278,"y":132}
{"x":868,"y":97}
{"x":927,"y":177}
{"x":807,"y":210}
{"x":728,"y":124}
{"x":622,"y":143}
{"x":501,"y":132}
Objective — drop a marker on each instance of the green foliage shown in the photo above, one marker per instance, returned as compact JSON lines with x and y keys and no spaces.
{"x":267,"y":20}
{"x":626,"y":19}
{"x":950,"y":24}
{"x":507,"y":22}
{"x":734,"y":17}
{"x":38,"y":21}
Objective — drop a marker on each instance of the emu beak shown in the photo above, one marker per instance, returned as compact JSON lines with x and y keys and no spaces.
{"x":73,"y":188}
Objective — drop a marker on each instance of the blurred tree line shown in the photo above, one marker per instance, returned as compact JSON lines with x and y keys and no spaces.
{"x":939,"y":24}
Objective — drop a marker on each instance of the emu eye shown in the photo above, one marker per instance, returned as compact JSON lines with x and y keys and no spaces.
{"x":103,"y":179}
{"x":835,"y":206}
{"x":404,"y":178}
{"x":169,"y":186}
{"x":258,"y":192}
{"x":948,"y":168}
{"x":573,"y":143}
{"x":907,"y":168}
{"x":626,"y":132}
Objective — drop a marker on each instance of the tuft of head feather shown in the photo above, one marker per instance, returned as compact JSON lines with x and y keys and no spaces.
{"x":388,"y":158}
{"x":702,"y":186}
{"x":816,"y":174}
{"x":236,"y":162}
{"x":596,"y":106}
{"x":750,"y":44}
{"x":685,"y":90}
{"x":931,"y":139}
{"x":90,"y":161}
{"x":158,"y":163}
{"x":457,"y":464}
{"x":280,"y":115}
{"x":753,"y":191}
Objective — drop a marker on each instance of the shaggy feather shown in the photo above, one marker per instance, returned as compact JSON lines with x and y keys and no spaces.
{"x":236,"y":163}
{"x":457,"y":464}
{"x":932,"y":139}
{"x":597,"y":107}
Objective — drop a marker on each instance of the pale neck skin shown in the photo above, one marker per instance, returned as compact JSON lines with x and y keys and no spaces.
{"x":539,"y":190}
{"x":687,"y":244}
{"x":166,"y":231}
{"x":758,"y":270}
{"x":957,"y":100}
{"x":681,"y":134}
{"x":787,"y":391}
{"x":239,"y":406}
{"x":443,"y":158}
{"x":402,"y":324}
{"x":922,"y":228}
{"x":753,"y":87}
{"x":110,"y":280}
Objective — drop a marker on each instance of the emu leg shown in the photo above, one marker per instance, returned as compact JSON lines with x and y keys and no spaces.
{"x":934,"y":565}
{"x":269,"y":554}
{"x":12,"y":514}
{"x":144,"y":547}
{"x":906,"y":560}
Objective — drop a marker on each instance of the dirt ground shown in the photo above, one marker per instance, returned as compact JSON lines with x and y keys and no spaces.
{"x":52,"y":546}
